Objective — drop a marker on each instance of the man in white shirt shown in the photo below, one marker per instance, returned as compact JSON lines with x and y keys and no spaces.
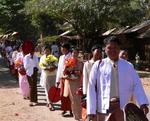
{"x":65,"y":101}
{"x":65,"y":49}
{"x":96,"y":55}
{"x":116,"y":82}
{"x":31,"y":66}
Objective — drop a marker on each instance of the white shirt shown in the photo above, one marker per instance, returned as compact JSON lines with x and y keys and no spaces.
{"x":44,"y":73}
{"x":30,"y":63}
{"x":129,"y":85}
{"x":86,"y":73}
{"x":61,"y":66}
{"x":114,"y":92}
{"x":14,"y":55}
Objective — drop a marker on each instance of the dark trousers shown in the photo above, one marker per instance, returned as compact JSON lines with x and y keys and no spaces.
{"x":33,"y":86}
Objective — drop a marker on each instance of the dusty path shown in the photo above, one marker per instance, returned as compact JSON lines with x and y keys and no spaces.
{"x":14,"y":108}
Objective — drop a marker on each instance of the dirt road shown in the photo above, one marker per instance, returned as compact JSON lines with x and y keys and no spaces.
{"x":14,"y":108}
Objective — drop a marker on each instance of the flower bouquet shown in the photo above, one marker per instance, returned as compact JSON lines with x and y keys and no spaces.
{"x":18,"y":63}
{"x":70,"y":64}
{"x":50,"y":62}
{"x":19,"y":66}
{"x":22,"y":70}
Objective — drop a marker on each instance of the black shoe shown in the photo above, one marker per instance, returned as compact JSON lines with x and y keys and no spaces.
{"x":63,"y":113}
{"x":26,"y":98}
{"x":31,"y":104}
{"x":35,"y":103}
{"x":71,"y":114}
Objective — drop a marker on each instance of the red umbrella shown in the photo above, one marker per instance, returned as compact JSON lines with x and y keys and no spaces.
{"x":54,"y":94}
{"x":27,"y":46}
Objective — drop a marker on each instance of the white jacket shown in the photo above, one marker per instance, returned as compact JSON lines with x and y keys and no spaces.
{"x":61,"y":66}
{"x":129,"y":84}
{"x":86,"y":73}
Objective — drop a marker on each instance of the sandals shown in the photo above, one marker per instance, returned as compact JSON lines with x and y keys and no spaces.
{"x":50,"y":106}
{"x":52,"y":109}
{"x":33,"y":104}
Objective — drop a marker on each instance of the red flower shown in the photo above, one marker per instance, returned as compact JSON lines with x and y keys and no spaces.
{"x":70,"y":62}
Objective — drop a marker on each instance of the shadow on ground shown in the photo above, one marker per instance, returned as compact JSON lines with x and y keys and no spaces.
{"x":6,"y":79}
{"x":144,"y":74}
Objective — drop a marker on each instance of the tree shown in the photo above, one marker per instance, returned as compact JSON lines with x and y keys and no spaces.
{"x":90,"y":18}
{"x":143,"y":7}
{"x":13,"y":18}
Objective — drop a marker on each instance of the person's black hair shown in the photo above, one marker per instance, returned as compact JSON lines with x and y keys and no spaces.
{"x":96,"y":47}
{"x":75,"y":48}
{"x":66,"y":45}
{"x":47,"y":47}
{"x":110,"y":39}
{"x":17,"y":47}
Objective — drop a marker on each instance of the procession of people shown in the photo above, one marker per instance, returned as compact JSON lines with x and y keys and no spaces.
{"x":104,"y":85}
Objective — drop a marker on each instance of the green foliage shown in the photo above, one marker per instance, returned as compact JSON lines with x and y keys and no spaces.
{"x":50,"y":39}
{"x":45,"y":23}
{"x":142,"y":6}
{"x":13,"y":18}
{"x":90,"y":17}
{"x":9,"y":11}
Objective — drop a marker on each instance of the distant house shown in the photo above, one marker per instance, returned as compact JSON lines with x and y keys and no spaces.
{"x":135,"y":39}
{"x":67,"y":36}
{"x":145,"y":38}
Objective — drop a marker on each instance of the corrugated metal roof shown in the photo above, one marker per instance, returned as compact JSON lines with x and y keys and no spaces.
{"x":145,"y":34}
{"x":119,"y":31}
{"x":108,"y":32}
{"x":75,"y":37}
{"x":139,"y":28}
{"x":65,"y":33}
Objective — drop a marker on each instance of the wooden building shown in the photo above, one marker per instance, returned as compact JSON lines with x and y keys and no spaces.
{"x":136,"y":40}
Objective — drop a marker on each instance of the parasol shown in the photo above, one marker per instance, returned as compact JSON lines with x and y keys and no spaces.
{"x":27,"y":47}
{"x":54,"y":94}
